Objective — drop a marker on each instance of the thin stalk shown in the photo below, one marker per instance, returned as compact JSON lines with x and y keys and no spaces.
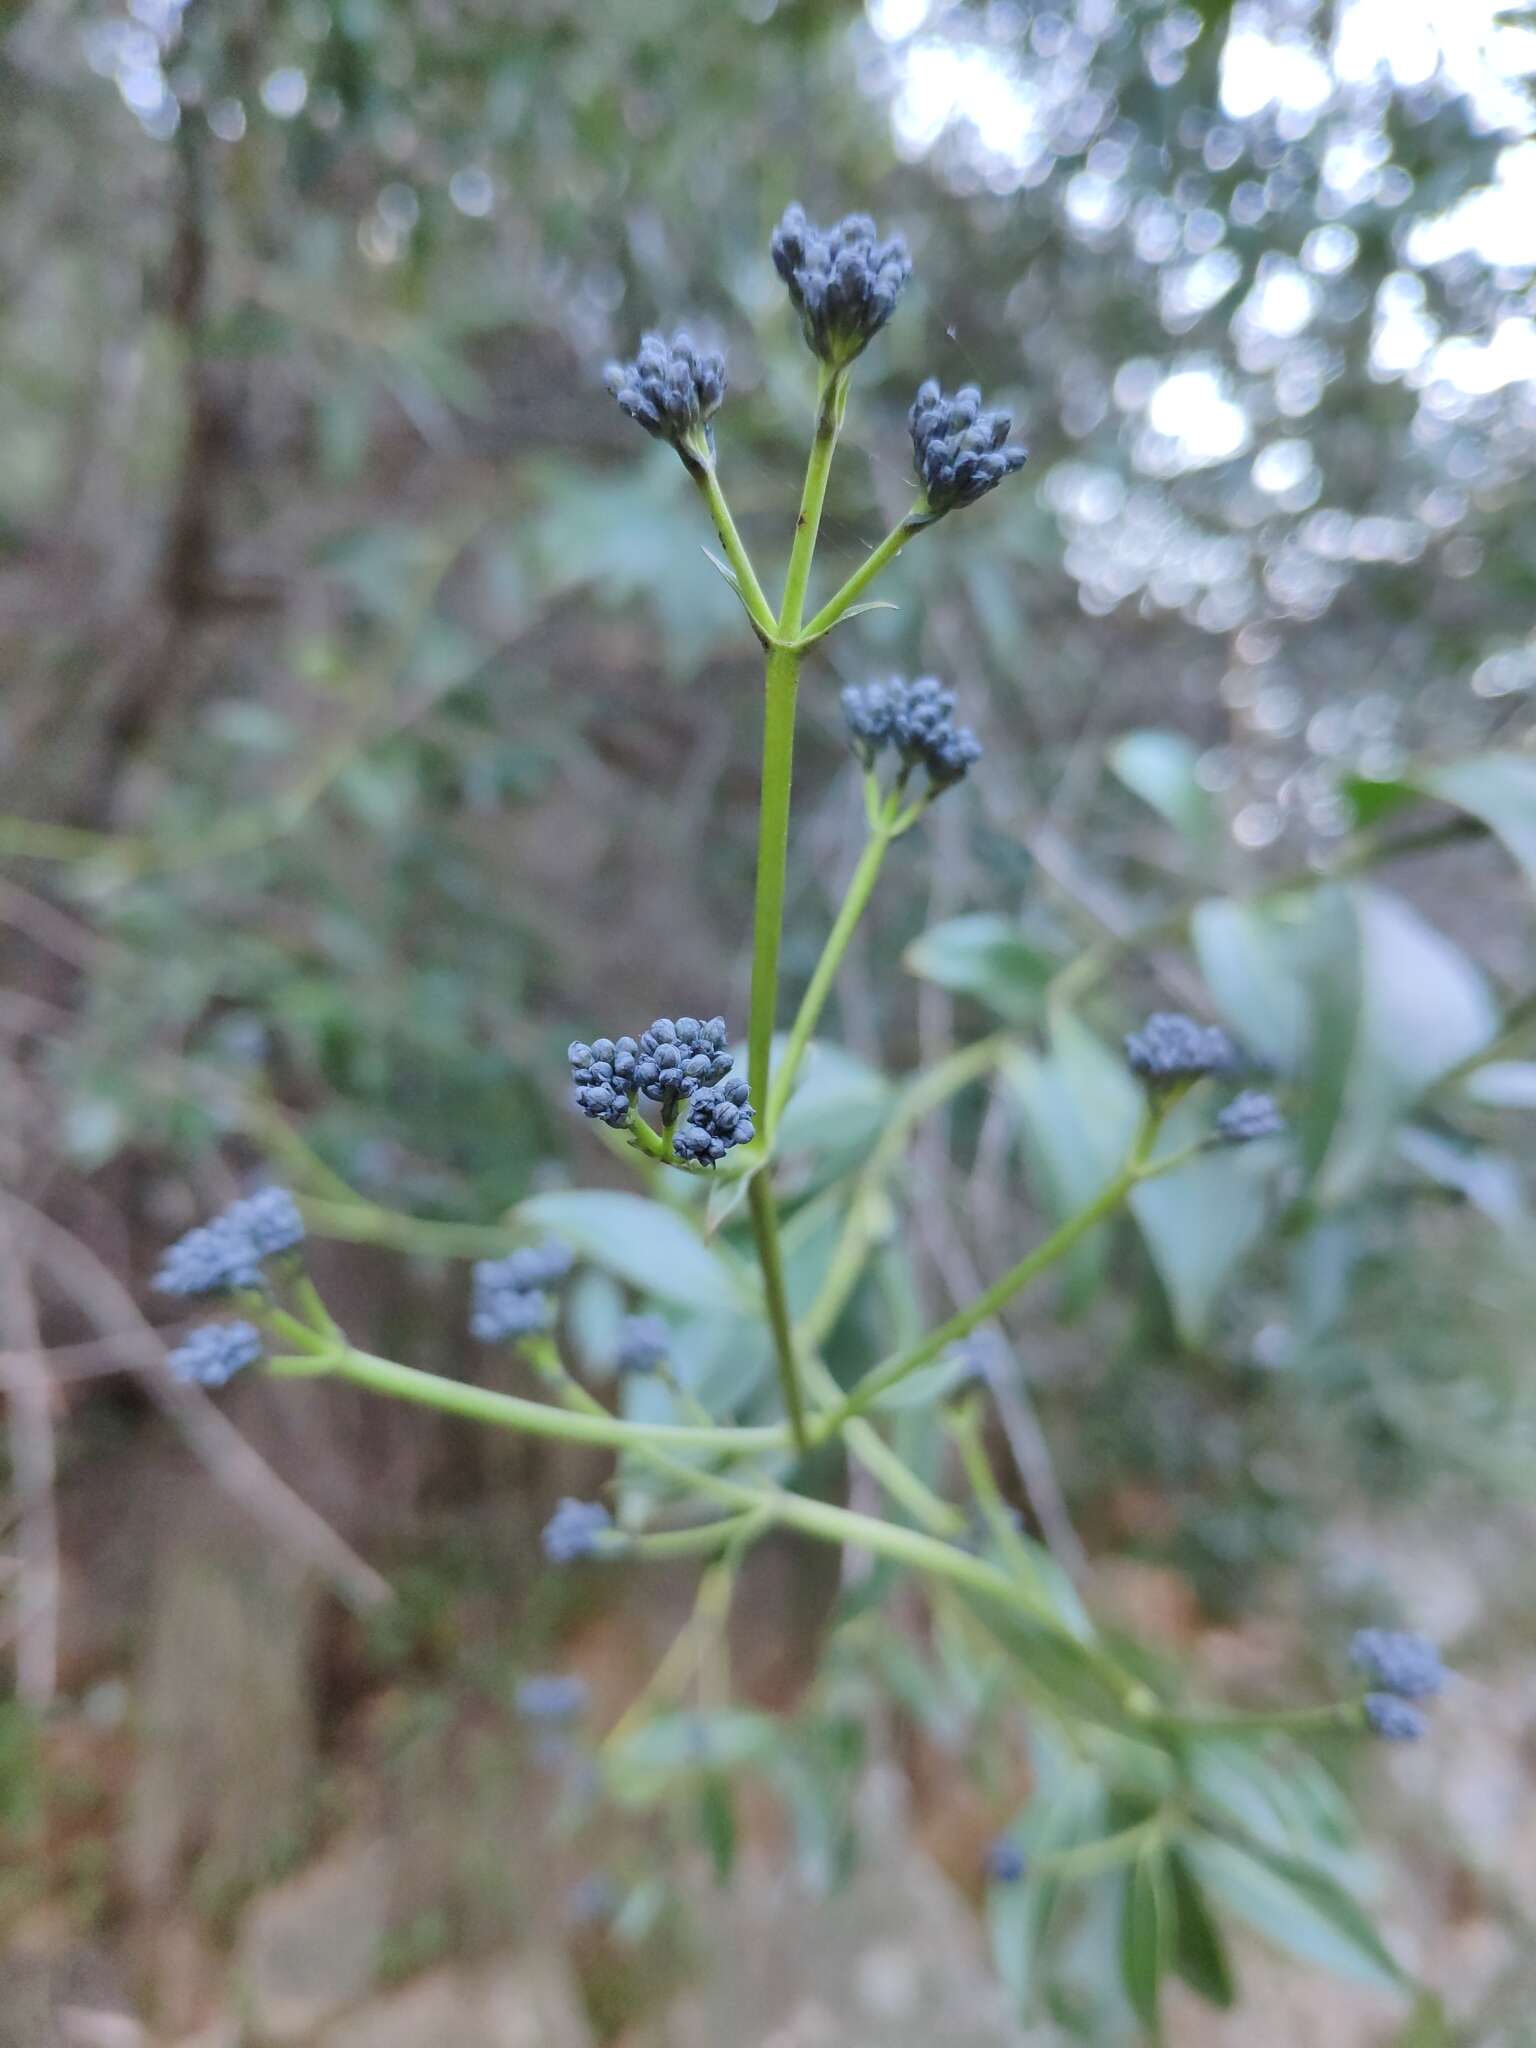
{"x":883,"y":1464}
{"x":700,"y":1540}
{"x":758,"y":608}
{"x":808,"y":1016}
{"x":537,"y":1418}
{"x":883,"y":1377}
{"x":862,"y":577}
{"x":1340,"y":1714}
{"x":765,"y":1231}
{"x":782,"y":682}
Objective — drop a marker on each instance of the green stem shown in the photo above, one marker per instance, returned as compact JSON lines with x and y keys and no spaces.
{"x":862,"y":577}
{"x":854,"y":904}
{"x":965,"y":1430}
{"x":537,"y":1418}
{"x":883,"y":1377}
{"x":758,"y":608}
{"x":1341,"y":1714}
{"x":701,"y":1540}
{"x":765,"y":1231}
{"x":882,"y":1463}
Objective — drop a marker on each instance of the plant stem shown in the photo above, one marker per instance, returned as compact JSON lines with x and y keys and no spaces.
{"x":854,"y":904}
{"x":758,"y":608}
{"x":1343,"y":1714}
{"x":883,"y":1377}
{"x":765,"y":1230}
{"x":861,"y":578}
{"x":782,"y":682}
{"x":537,"y":1418}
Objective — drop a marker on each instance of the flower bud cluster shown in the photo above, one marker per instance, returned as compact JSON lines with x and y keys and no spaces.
{"x":843,"y":281}
{"x":229,"y":1252}
{"x":1171,"y":1051}
{"x":644,"y":1344}
{"x":677,"y":1061}
{"x":509,"y":1298}
{"x":1400,"y":1667}
{"x":1248,"y":1116}
{"x":212,"y":1355}
{"x":672,"y":389}
{"x":959,"y":451}
{"x":579,"y":1529}
{"x":917,"y":719}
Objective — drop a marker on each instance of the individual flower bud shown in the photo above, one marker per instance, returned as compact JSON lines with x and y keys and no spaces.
{"x":1395,"y":1661}
{"x":212,"y":1355}
{"x":552,"y":1696}
{"x":1170,"y":1051}
{"x":977,"y":1362}
{"x":1248,"y":1116}
{"x":843,"y":282}
{"x":673,"y":389}
{"x":1006,"y":1862}
{"x":579,"y":1529}
{"x":1391,"y":1718}
{"x":959,"y":451}
{"x":644,"y":1344}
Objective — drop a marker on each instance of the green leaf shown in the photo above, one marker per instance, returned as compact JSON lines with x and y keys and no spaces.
{"x":717,"y":1825}
{"x":698,"y":1742}
{"x":1081,"y":1110}
{"x":1200,"y":1220}
{"x":1159,"y":767}
{"x":1295,"y":1906}
{"x":1423,"y":1008}
{"x":1490,"y":1181}
{"x":1146,"y":1933}
{"x":840,"y":1103}
{"x":1200,"y":1951}
{"x":637,"y":1240}
{"x":1371,"y":799}
{"x":1500,"y":789}
{"x":1250,"y":956}
{"x":1503,"y":1084}
{"x":986,"y":956}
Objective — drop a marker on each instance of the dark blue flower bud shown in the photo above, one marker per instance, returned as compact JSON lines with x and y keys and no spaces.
{"x":1393,"y":1719}
{"x":644,"y":1343}
{"x":552,"y":1696}
{"x":213,"y":1354}
{"x":719,"y":1118}
{"x":1006,"y":1862}
{"x":959,"y":451}
{"x":1396,"y":1661}
{"x":1169,"y":1051}
{"x":672,"y":389}
{"x":843,"y":282}
{"x":678,"y":1057}
{"x":579,"y":1529}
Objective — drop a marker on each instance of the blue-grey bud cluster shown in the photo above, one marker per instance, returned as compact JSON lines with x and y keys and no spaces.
{"x":552,"y":1696}
{"x":843,"y":282}
{"x":212,"y":1355}
{"x":718,"y":1119}
{"x":603,"y":1078}
{"x":673,"y":389}
{"x":1400,"y":1667}
{"x":959,"y":451}
{"x":578,"y":1529}
{"x":1248,"y":1116}
{"x":918,"y":720}
{"x":1006,"y":1862}
{"x":1169,"y":1051}
{"x":509,"y":1298}
{"x":644,"y":1343}
{"x":228,"y":1252}
{"x":1396,"y":1661}
{"x":677,"y":1058}
{"x":1394,"y":1720}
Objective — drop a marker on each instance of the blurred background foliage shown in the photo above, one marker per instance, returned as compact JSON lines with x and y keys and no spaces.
{"x":374,"y":722}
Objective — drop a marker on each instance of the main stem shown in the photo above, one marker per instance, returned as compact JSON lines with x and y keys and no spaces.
{"x":782,"y":683}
